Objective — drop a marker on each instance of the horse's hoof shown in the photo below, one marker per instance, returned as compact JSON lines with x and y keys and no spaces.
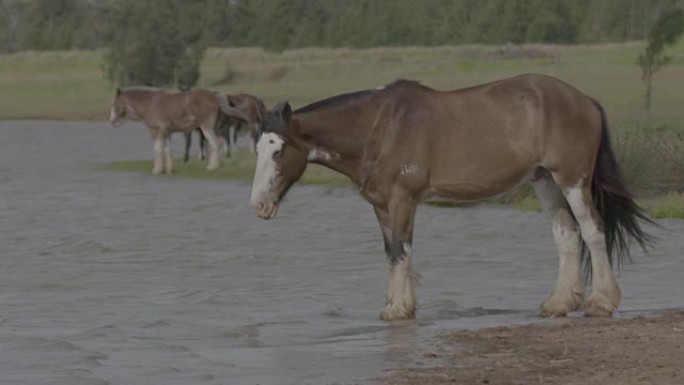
{"x":597,"y":312}
{"x":556,"y":306}
{"x":553,"y":313}
{"x":599,"y":305}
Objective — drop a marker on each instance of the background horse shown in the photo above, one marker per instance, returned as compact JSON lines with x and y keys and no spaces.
{"x":405,"y":142}
{"x":165,"y":112}
{"x":254,"y":109}
{"x":188,"y":142}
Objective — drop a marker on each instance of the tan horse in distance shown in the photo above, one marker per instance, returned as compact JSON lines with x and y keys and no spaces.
{"x":405,"y":142}
{"x":165,"y":112}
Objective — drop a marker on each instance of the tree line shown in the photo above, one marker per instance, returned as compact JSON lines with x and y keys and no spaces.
{"x":161,"y":42}
{"x":283,"y":24}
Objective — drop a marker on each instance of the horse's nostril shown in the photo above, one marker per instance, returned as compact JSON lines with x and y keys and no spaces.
{"x":260,"y":206}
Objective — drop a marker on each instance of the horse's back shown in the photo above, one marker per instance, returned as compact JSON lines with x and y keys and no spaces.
{"x":528,"y":113}
{"x":180,"y":111}
{"x":482,"y":140}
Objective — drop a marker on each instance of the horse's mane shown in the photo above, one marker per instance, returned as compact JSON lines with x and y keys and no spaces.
{"x":404,"y":83}
{"x":397,"y":84}
{"x":333,"y":100}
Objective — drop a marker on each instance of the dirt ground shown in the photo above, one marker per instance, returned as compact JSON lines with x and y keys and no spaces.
{"x":642,"y":350}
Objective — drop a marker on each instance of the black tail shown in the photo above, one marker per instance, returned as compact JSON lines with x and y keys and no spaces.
{"x":621,"y":215}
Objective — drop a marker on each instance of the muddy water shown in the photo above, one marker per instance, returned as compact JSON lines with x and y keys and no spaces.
{"x":120,"y":278}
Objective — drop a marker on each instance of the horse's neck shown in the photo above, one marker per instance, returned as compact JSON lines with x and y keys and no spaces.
{"x":331,"y":141}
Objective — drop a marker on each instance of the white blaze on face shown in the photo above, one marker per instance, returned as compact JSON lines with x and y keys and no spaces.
{"x":266,"y":168}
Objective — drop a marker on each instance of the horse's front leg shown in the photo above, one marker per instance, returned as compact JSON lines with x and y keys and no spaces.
{"x":168,"y":158}
{"x":397,"y":230}
{"x":158,"y":166}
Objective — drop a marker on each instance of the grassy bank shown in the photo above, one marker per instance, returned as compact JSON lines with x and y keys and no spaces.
{"x":241,"y":167}
{"x":69,"y":85}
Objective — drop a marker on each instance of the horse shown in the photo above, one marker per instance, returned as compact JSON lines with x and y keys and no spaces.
{"x":255,"y":109}
{"x":405,"y":142}
{"x":165,"y":112}
{"x":252,"y":106}
{"x":188,"y":142}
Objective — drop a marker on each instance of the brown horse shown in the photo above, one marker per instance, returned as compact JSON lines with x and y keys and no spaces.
{"x":405,"y":142}
{"x":165,"y":112}
{"x":188,"y":142}
{"x":254,"y":109}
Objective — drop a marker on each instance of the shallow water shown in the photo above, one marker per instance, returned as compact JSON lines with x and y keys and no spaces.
{"x":120,"y":278}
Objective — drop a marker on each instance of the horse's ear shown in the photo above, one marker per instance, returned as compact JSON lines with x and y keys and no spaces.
{"x":285,"y":112}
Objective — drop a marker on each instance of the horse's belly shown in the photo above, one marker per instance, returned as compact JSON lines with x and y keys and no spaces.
{"x":479,"y":181}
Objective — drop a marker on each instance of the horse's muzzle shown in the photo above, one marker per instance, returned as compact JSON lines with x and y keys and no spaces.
{"x":266,"y":210}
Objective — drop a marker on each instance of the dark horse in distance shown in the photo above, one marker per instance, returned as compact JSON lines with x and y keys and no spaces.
{"x":405,"y":142}
{"x":254,"y":110}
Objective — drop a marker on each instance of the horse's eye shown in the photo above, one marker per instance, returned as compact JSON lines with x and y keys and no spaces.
{"x":278,"y":154}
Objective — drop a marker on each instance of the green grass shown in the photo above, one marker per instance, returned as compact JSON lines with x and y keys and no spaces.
{"x":240,"y":166}
{"x":70,"y":85}
{"x":670,"y":205}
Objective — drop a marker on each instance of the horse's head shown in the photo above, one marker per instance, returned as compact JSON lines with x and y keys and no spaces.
{"x":280,"y":161}
{"x":118,"y":112}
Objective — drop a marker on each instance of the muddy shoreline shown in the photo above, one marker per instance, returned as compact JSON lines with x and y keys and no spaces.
{"x":640,"y":350}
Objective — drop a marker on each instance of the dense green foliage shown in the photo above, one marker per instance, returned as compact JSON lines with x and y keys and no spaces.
{"x":282,"y":24}
{"x":163,"y":49}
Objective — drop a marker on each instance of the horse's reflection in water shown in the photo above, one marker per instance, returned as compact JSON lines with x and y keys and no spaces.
{"x":402,"y":339}
{"x":405,"y":142}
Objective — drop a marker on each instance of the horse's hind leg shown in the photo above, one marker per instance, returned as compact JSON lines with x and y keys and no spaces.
{"x":203,"y":144}
{"x":568,"y":293}
{"x":188,"y":141}
{"x":605,"y":293}
{"x":214,"y":154}
{"x":232,"y":137}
